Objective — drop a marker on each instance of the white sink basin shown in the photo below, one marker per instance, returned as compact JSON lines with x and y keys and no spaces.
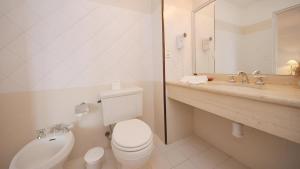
{"x":47,"y":153}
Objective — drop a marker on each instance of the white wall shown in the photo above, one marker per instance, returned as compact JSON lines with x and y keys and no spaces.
{"x":177,"y":21}
{"x":158,"y":65}
{"x":204,"y":23}
{"x":227,"y":36}
{"x":264,"y":10}
{"x":236,"y":49}
{"x":55,"y":54}
{"x":288,"y":37}
{"x":258,"y":48}
{"x":74,"y":43}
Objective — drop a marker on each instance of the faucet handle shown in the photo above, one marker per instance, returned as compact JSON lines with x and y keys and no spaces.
{"x":256,"y":72}
{"x":232,"y":78}
{"x":259,"y":79}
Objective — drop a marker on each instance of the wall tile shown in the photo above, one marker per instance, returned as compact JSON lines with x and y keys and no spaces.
{"x":72,"y":43}
{"x":9,"y":62}
{"x":7,"y":5}
{"x":24,"y":47}
{"x":9,"y":31}
{"x":23,"y":16}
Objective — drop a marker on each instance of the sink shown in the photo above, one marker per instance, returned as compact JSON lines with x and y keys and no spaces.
{"x":238,"y":85}
{"x":47,"y":153}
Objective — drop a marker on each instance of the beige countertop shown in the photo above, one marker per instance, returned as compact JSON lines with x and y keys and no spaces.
{"x":278,"y":94}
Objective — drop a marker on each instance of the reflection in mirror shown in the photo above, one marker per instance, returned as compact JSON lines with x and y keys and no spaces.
{"x":288,"y":40}
{"x":247,"y":35}
{"x":204,"y":34}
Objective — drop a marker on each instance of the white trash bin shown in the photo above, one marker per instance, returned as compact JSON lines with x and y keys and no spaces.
{"x":94,"y":158}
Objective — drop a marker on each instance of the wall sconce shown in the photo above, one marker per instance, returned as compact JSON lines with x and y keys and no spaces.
{"x":293,"y":66}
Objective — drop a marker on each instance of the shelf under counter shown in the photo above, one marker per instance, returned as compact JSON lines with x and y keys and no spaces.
{"x":274,"y":109}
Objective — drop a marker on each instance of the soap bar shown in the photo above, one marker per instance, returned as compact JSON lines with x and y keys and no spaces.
{"x":210,"y":78}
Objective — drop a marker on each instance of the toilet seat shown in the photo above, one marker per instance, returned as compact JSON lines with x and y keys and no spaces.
{"x":133,"y":149}
{"x":132,"y":135}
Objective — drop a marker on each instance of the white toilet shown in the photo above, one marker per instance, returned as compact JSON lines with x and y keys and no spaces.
{"x":132,"y":139}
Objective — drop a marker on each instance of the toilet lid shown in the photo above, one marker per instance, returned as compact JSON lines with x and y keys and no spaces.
{"x":131,"y":133}
{"x":94,"y":154}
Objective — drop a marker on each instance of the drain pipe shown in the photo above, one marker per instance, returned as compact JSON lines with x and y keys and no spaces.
{"x":108,"y":134}
{"x":237,"y":130}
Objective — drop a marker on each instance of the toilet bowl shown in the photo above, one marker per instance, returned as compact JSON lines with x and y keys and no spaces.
{"x":132,"y":143}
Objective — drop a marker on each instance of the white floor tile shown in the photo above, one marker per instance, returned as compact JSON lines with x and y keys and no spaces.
{"x":159,"y":161}
{"x":231,"y":164}
{"x":75,"y":164}
{"x":189,"y":150}
{"x":186,"y":165}
{"x":189,"y":153}
{"x":175,"y":157}
{"x":209,"y":159}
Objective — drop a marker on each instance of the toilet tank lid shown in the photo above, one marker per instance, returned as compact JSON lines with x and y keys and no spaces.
{"x":120,"y":92}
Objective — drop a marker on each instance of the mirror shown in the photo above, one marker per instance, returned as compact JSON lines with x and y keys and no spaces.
{"x":233,"y":35}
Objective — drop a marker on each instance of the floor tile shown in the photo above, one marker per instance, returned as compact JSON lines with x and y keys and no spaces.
{"x":189,"y":149}
{"x":185,"y":165}
{"x":209,"y":159}
{"x":175,"y":157}
{"x":189,"y":153}
{"x":231,"y":164}
{"x":159,"y":161}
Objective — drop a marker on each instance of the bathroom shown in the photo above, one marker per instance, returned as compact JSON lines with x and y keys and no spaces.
{"x":194,"y":84}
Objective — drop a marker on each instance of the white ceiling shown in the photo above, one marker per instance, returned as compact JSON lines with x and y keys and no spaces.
{"x":243,"y":3}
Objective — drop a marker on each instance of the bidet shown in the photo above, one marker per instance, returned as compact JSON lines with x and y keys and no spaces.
{"x":49,"y":152}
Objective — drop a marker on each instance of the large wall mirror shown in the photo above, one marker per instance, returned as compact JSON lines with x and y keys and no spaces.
{"x":246,"y":35}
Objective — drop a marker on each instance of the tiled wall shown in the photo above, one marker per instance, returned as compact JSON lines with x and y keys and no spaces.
{"x":55,"y":54}
{"x":54,"y":44}
{"x":177,"y":20}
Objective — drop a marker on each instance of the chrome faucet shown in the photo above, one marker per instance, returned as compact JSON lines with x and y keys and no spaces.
{"x":244,"y":76}
{"x":259,"y":77}
{"x":41,"y":133}
{"x":58,"y":128}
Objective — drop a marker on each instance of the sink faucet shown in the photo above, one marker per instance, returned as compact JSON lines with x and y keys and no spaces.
{"x":259,"y":77}
{"x":244,"y":76}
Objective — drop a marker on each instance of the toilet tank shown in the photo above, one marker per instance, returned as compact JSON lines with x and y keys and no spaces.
{"x":123,"y":104}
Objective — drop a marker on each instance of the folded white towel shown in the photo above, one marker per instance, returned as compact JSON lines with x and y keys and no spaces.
{"x":194,"y":79}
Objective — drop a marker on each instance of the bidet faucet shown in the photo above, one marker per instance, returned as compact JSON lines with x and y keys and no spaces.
{"x":41,"y":133}
{"x":244,"y":76}
{"x":64,"y":128}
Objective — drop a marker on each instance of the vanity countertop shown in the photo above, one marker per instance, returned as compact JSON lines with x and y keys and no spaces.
{"x":278,"y":94}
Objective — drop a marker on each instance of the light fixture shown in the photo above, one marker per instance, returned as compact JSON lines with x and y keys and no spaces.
{"x":293,"y":66}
